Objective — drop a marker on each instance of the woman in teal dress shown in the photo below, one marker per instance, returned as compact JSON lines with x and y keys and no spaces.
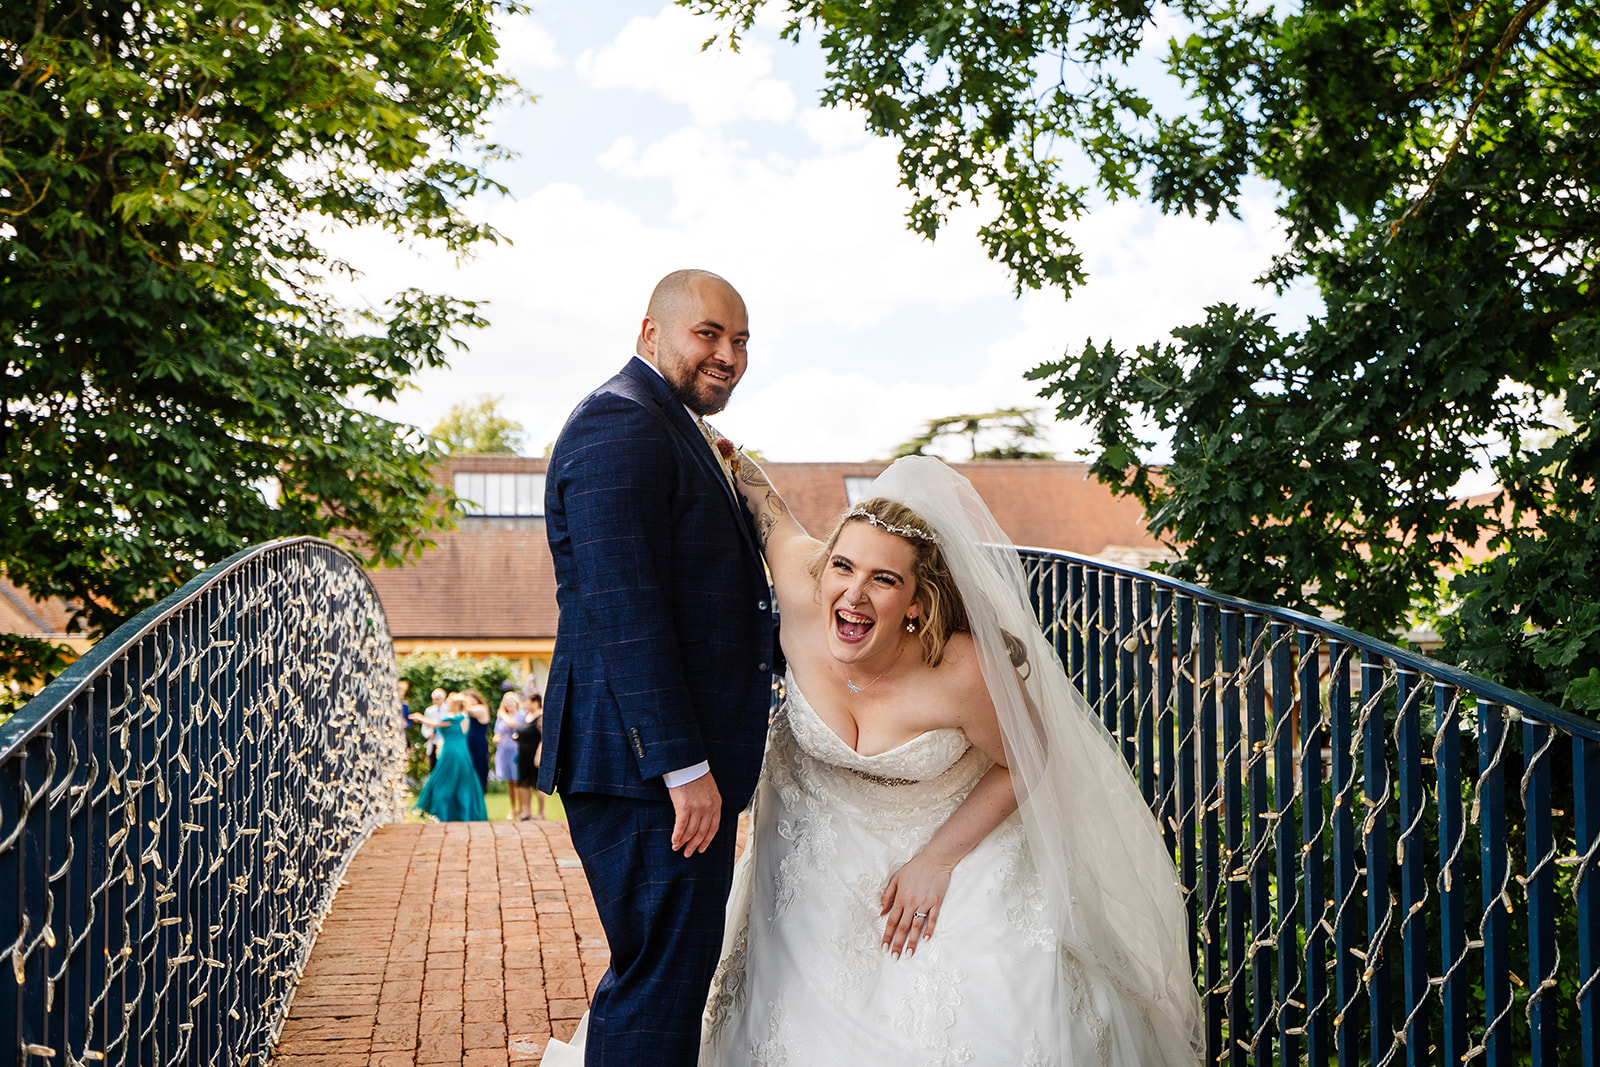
{"x":452,"y":792}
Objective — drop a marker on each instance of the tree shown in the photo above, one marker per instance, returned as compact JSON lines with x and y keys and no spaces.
{"x":479,"y":427}
{"x":1016,"y":428}
{"x":1434,"y":166}
{"x":163,"y":168}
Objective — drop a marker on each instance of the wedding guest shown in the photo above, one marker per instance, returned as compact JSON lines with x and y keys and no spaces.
{"x":478,"y":716}
{"x":530,"y":748}
{"x":506,"y":724}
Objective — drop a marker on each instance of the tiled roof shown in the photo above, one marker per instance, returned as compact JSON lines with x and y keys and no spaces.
{"x":21,"y":614}
{"x":1041,"y":504}
{"x":474,"y":583}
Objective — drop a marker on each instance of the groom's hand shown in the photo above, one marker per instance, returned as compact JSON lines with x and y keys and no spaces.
{"x":699,"y":807}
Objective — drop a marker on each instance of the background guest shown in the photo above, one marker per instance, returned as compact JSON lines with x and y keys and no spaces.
{"x":530,"y":747}
{"x":506,"y":725}
{"x":478,"y":716}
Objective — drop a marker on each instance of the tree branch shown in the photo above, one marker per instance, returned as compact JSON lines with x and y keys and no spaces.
{"x":1520,"y":20}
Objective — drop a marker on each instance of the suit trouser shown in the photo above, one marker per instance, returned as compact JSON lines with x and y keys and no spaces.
{"x":663,"y":917}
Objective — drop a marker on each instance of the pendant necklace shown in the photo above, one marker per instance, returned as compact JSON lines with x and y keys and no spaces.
{"x":854,"y":688}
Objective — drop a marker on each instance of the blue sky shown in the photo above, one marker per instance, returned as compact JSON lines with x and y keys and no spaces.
{"x":643,"y":154}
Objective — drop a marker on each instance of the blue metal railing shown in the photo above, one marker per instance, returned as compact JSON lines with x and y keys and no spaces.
{"x":1386,"y":860}
{"x":176,"y":810}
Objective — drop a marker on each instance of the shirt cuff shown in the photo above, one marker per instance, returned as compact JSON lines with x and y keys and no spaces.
{"x":673,"y":779}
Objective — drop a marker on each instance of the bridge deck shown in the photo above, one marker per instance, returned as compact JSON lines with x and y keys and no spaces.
{"x":458,"y":943}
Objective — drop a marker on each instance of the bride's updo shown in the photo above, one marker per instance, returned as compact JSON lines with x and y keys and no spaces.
{"x":942,"y":610}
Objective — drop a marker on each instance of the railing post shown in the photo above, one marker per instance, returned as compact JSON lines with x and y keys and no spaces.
{"x":1494,"y":929}
{"x":1109,"y":656}
{"x":1076,"y":613}
{"x":58,"y":865}
{"x":1147,"y":707}
{"x":1166,"y":717}
{"x":1455,"y":985}
{"x":1283,"y":794}
{"x":1092,"y":643}
{"x":1413,"y":882}
{"x":1347,"y":973}
{"x":1380,"y":900}
{"x":1127,"y":677}
{"x":1537,"y":741}
{"x":1188,"y":761}
{"x":1312,"y":821}
{"x":1211,"y":830}
{"x":1259,"y":803}
{"x":1233,"y":872}
{"x":1586,"y":892}
{"x":1055,"y":609}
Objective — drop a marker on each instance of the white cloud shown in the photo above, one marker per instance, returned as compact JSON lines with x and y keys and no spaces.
{"x":835,"y":128}
{"x":663,"y":56}
{"x":822,"y":236}
{"x":525,"y":45}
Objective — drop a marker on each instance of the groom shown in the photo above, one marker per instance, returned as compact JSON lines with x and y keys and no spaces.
{"x":656,"y":709}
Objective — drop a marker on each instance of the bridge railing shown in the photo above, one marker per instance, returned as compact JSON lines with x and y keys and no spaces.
{"x":1386,"y":860}
{"x":177,"y":808}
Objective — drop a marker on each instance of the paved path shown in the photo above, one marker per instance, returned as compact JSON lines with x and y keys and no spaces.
{"x":457,"y":943}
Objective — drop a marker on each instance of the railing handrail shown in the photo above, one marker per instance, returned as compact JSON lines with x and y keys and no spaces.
{"x":65,"y":688}
{"x":1418,"y":662}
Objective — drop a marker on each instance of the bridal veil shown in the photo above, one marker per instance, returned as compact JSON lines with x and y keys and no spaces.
{"x":1111,"y":886}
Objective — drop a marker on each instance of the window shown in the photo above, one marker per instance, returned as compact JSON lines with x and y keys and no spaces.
{"x":855,"y":489}
{"x":501,"y":494}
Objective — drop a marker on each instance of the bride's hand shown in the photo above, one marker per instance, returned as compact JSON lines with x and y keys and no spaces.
{"x":911,"y":903}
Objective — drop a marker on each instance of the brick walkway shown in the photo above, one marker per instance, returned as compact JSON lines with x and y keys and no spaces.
{"x":458,"y":943}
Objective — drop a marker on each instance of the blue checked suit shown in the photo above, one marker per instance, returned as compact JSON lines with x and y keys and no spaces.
{"x":664,"y":657}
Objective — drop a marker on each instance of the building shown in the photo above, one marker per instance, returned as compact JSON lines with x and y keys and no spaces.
{"x":488,"y":587}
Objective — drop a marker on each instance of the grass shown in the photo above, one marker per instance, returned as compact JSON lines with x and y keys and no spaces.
{"x":497,"y":798}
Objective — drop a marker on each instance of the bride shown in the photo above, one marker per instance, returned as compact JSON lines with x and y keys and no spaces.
{"x":948,"y":862}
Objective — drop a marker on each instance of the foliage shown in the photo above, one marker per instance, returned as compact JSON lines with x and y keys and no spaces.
{"x":427,"y":671}
{"x":1530,"y":616}
{"x":1434,"y":167}
{"x":479,"y":427}
{"x":1016,"y":428}
{"x":26,"y":663}
{"x":171,"y":363}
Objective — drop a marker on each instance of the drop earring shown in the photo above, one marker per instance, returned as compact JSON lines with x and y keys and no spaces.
{"x":911,"y":626}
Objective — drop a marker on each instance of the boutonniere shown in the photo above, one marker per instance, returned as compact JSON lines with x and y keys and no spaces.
{"x":726,"y":449}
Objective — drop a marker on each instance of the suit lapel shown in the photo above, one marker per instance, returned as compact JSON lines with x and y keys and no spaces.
{"x":683,"y":423}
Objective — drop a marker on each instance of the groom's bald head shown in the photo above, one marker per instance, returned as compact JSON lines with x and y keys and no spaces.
{"x":672,"y":296}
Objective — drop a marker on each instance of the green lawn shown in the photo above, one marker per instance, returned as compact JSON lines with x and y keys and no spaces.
{"x":498,"y":800}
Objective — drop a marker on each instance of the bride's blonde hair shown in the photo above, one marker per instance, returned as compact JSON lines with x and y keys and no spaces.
{"x":943,"y":612}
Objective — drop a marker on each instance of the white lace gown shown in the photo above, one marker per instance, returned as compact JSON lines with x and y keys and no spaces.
{"x":803,"y":981}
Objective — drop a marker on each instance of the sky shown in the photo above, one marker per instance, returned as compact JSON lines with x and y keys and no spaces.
{"x":641,"y":154}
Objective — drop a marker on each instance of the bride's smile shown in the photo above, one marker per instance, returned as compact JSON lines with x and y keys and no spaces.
{"x":868,"y":589}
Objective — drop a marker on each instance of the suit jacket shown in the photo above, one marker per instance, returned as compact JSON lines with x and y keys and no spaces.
{"x":666,"y":643}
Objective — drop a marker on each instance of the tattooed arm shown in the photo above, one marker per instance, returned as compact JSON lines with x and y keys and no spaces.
{"x":783,"y":540}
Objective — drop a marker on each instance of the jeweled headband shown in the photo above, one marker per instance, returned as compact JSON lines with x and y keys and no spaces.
{"x":859,"y":512}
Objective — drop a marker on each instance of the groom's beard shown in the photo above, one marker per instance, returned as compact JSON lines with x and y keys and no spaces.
{"x":706,"y":401}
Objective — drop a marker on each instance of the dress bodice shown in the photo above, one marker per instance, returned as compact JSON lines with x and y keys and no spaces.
{"x":450,"y":730}
{"x":925,"y":756}
{"x":913,"y":785}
